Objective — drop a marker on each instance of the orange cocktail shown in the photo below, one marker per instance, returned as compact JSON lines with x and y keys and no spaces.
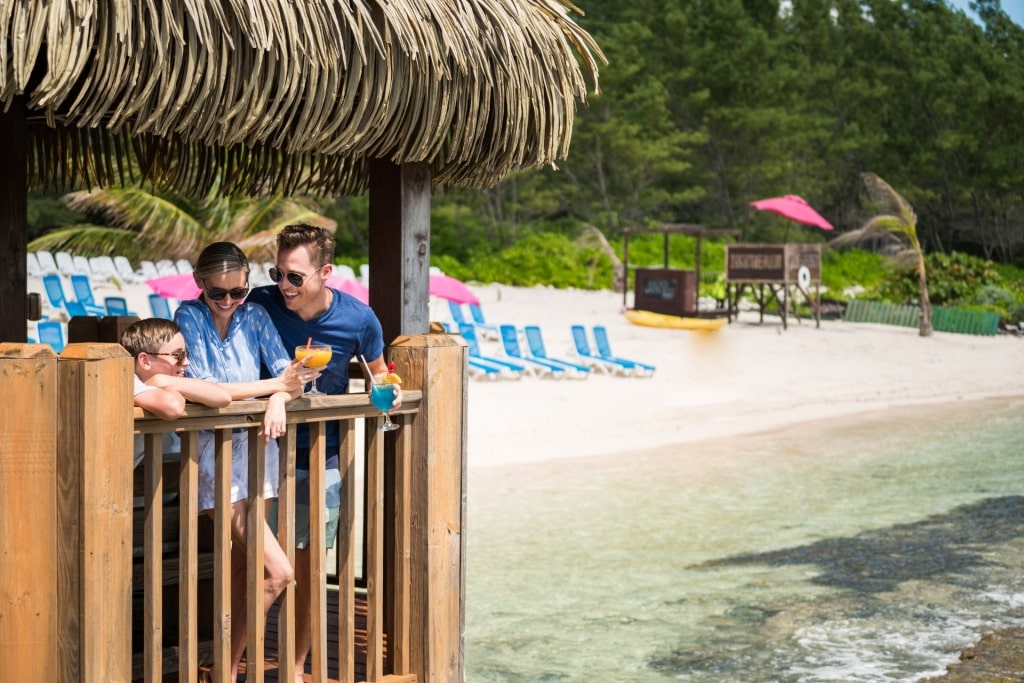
{"x":319,"y":355}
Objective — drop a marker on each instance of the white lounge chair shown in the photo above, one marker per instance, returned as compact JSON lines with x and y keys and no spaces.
{"x":47,"y":262}
{"x":65,"y":263}
{"x":82,"y":264}
{"x":32,"y":267}
{"x":104,"y":270}
{"x":148,"y":271}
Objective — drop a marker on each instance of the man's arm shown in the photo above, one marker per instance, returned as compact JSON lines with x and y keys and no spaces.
{"x":192,"y":390}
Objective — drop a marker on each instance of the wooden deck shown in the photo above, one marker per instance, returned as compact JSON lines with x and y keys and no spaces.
{"x":332,"y":642}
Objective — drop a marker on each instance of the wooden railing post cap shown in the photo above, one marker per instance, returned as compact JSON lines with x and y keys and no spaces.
{"x":428,"y":341}
{"x":93,"y":351}
{"x":14,"y":351}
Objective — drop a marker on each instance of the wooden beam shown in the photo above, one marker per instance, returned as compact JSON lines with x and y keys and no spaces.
{"x":94,"y":506}
{"x":13,"y":221}
{"x":435,"y":504}
{"x":29,"y":522}
{"x":400,"y":247}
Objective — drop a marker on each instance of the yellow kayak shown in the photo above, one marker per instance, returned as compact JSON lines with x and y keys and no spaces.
{"x":649,"y":319}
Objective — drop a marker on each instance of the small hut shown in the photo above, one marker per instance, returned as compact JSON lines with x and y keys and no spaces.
{"x":259,"y":96}
{"x":391,"y":97}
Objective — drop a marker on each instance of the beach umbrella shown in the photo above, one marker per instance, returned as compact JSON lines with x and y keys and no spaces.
{"x":447,"y":287}
{"x":351,"y":287}
{"x":181,"y":286}
{"x":793,"y":207}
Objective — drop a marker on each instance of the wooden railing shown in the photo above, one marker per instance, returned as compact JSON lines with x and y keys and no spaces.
{"x":66,"y":512}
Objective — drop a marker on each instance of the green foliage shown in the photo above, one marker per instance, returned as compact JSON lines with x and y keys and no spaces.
{"x":47,"y":212}
{"x":540,"y":259}
{"x":953,"y":279}
{"x":843,"y":269}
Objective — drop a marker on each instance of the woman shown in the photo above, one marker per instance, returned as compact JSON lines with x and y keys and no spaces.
{"x":228,"y":340}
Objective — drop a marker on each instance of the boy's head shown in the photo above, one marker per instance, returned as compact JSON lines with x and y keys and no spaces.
{"x":157,"y":346}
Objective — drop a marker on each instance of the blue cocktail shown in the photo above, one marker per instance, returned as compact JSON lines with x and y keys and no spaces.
{"x":382,"y":396}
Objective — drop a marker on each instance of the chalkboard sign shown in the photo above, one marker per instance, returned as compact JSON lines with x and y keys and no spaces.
{"x":662,"y":290}
{"x":657,"y":288}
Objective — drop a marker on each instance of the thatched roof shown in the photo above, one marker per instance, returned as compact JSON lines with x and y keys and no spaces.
{"x":293,"y":95}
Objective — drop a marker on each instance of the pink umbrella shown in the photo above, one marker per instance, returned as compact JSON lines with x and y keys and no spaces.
{"x":447,"y":287}
{"x":349,"y":286}
{"x":181,"y":286}
{"x":793,"y":207}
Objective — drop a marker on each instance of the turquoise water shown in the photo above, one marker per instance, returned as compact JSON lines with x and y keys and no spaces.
{"x":871,"y":551}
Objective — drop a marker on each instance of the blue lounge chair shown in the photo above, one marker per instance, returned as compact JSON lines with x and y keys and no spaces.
{"x":604,"y":351}
{"x":117,"y":305}
{"x":160,"y":306}
{"x":469,"y":334}
{"x":579,"y":338}
{"x":459,"y":318}
{"x":477,"y":314}
{"x":535,"y":342}
{"x":456,"y":312}
{"x":510,"y":342}
{"x":482,"y":368}
{"x":55,"y":293}
{"x":51,"y":332}
{"x":83,"y":294}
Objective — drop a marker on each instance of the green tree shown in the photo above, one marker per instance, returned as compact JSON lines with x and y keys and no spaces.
{"x":898,"y":225}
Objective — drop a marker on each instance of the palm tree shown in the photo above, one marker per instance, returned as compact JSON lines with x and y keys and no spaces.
{"x":140,"y":223}
{"x":896,"y":226}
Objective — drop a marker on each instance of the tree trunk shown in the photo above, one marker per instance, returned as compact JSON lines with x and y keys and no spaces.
{"x":925,"y":316}
{"x":618,"y":268}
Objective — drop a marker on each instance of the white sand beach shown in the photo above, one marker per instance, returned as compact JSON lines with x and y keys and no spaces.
{"x":747,"y":377}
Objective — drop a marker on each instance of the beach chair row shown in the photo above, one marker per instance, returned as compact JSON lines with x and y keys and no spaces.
{"x":524,"y":353}
{"x":86,"y":303}
{"x":101,"y":268}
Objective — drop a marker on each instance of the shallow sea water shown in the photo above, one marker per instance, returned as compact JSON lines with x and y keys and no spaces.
{"x":872,"y":550}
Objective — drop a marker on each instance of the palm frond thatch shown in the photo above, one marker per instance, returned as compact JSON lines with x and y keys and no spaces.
{"x":292,"y":95}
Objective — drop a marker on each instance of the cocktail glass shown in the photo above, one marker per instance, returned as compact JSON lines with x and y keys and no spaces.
{"x":382,"y":396}
{"x":319,"y":356}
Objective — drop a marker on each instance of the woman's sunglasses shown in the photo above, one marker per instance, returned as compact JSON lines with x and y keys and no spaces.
{"x":179,"y":356}
{"x":295,"y":279}
{"x":218,"y":294}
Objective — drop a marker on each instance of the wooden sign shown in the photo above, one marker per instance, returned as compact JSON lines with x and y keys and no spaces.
{"x":771,"y":263}
{"x":662,"y":290}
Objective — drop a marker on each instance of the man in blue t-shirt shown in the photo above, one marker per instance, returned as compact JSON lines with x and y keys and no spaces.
{"x":303,"y":307}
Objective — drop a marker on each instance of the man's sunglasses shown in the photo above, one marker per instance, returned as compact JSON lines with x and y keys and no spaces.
{"x":218,"y":294}
{"x":179,"y":356}
{"x":295,"y":279}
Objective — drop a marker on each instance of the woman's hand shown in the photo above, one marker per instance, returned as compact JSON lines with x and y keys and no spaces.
{"x":297,"y":375}
{"x":397,"y":403}
{"x":275,"y":419}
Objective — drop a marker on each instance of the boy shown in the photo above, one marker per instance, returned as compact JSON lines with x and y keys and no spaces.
{"x":160,"y":385}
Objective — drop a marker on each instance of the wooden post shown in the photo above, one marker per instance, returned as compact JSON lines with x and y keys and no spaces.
{"x":94,"y":510}
{"x":400,"y":246}
{"x":435,"y":504}
{"x":28,"y":513}
{"x":13,"y":220}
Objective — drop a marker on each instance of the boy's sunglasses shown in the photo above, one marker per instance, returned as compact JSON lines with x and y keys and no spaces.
{"x":218,"y":294}
{"x":295,"y":279}
{"x":179,"y":356}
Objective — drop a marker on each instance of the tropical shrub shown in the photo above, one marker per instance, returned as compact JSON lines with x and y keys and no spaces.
{"x":953,"y":279}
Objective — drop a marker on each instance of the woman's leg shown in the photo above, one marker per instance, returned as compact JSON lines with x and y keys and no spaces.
{"x":277,"y":573}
